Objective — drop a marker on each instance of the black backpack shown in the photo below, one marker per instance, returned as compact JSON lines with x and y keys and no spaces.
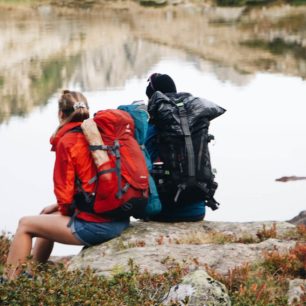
{"x":184,"y":175}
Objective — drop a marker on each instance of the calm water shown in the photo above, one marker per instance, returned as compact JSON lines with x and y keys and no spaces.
{"x":259,"y":138}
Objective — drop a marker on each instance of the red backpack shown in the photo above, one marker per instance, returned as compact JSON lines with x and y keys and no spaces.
{"x":121,"y":188}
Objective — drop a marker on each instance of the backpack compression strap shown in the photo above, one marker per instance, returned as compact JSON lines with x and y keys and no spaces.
{"x":187,"y":134}
{"x":115,"y":151}
{"x":188,"y":140}
{"x":189,"y":147}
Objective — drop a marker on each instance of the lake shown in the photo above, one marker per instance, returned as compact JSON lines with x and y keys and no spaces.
{"x":259,"y":80}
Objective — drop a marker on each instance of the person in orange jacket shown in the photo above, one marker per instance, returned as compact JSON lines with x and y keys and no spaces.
{"x":73,"y":159}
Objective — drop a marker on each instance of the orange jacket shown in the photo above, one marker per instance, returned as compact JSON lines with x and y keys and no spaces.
{"x":73,"y":159}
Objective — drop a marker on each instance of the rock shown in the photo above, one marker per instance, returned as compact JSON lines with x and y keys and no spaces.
{"x":243,"y":229}
{"x":105,"y":260}
{"x":198,"y":288}
{"x":150,"y":243}
{"x":153,"y":247}
{"x":299,"y":219}
{"x":297,"y":288}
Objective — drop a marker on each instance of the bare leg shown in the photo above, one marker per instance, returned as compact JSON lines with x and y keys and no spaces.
{"x":50,"y":227}
{"x":42,"y":250}
{"x":43,"y":247}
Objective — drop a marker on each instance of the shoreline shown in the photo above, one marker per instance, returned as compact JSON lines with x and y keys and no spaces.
{"x":98,"y":7}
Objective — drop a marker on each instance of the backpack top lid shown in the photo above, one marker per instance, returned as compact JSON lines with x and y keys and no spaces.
{"x":164,"y":111}
{"x":114,"y":124}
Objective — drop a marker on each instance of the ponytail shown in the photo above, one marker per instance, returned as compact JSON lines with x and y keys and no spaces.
{"x":74,"y":106}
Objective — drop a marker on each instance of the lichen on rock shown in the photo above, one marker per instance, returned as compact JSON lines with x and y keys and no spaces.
{"x":149,"y":243}
{"x":198,"y":288}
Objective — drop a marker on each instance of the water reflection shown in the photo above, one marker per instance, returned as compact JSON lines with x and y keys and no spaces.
{"x":43,"y":54}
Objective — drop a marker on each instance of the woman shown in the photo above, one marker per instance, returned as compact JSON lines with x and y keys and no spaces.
{"x":55,"y":223}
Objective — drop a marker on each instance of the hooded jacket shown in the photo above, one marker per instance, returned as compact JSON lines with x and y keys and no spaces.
{"x":73,"y":159}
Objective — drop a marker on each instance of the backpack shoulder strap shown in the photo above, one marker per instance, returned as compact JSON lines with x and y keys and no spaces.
{"x":76,"y":129}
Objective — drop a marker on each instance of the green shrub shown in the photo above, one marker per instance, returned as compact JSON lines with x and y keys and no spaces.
{"x":54,"y":285}
{"x":4,"y":247}
{"x":265,"y":283}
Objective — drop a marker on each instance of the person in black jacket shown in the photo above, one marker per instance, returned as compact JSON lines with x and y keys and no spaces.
{"x":170,"y":213}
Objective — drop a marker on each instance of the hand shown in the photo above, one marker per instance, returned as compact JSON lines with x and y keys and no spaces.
{"x":49,"y":209}
{"x":91,"y":132}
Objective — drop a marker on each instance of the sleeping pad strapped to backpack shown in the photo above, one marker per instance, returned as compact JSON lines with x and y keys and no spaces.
{"x":182,"y":122}
{"x":126,"y":192}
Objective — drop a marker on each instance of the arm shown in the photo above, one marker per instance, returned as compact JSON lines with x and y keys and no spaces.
{"x":64,"y":179}
{"x":94,"y":138}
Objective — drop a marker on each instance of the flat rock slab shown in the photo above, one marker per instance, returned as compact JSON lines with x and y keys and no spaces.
{"x":149,"y":244}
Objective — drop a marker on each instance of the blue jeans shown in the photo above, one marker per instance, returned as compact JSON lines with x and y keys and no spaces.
{"x":91,"y":233}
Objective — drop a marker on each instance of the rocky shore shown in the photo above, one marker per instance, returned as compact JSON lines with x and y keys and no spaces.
{"x":196,"y":264}
{"x":204,"y":246}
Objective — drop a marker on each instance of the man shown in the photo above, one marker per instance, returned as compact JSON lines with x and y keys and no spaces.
{"x":170,"y":211}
